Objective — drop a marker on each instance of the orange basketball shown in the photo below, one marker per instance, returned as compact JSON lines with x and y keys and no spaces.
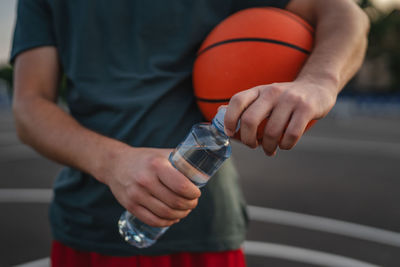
{"x":252,"y":47}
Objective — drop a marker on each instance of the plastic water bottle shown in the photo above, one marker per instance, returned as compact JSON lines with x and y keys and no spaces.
{"x":198,"y":157}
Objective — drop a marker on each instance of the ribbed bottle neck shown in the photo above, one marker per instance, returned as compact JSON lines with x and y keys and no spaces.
{"x":218,"y":120}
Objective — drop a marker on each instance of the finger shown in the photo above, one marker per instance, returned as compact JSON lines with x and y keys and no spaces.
{"x":149,"y":218}
{"x":295,"y":129}
{"x":170,"y":198}
{"x":175,"y":180}
{"x":275,"y":127}
{"x":238,"y":103}
{"x":160,"y":209}
{"x":251,"y":119}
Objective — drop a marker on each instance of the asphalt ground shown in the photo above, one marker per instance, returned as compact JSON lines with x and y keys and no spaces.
{"x":331,"y":201}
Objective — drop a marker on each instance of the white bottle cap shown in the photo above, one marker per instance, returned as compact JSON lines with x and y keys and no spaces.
{"x":218,"y":120}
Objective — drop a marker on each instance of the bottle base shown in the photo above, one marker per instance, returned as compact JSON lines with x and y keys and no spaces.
{"x":131,"y":229}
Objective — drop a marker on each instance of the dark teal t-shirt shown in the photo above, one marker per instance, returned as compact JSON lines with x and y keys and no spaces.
{"x":128,"y":65}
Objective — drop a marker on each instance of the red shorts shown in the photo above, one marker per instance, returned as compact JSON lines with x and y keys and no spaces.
{"x":63,"y":256}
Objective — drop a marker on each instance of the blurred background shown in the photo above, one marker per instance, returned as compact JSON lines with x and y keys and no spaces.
{"x":331,"y":201}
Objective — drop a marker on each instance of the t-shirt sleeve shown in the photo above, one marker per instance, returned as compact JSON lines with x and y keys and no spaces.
{"x":242,"y":4}
{"x":33,"y":28}
{"x":282,"y":3}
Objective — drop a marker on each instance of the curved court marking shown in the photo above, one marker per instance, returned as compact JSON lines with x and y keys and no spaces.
{"x":323,"y":224}
{"x":14,"y":152}
{"x":296,"y":254}
{"x":264,"y":249}
{"x":45,"y":262}
{"x":265,"y":215}
{"x":281,"y":217}
{"x":348,"y":145}
{"x":26,"y":195}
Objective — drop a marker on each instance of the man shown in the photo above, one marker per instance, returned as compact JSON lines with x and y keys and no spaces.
{"x":128,"y":66}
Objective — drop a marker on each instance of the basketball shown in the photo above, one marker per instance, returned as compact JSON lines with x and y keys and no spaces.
{"x":252,"y":47}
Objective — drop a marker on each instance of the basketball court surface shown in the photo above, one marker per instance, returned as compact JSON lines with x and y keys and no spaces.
{"x":332,"y":201}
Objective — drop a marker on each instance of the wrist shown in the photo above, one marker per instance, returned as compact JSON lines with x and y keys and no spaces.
{"x":107,"y":159}
{"x":322,"y":92}
{"x":326,"y":80}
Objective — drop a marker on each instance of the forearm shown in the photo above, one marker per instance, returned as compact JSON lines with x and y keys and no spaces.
{"x":340,"y":42}
{"x":55,"y":134}
{"x":141,"y":179}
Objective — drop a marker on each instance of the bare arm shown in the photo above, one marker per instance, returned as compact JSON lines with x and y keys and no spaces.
{"x":141,"y":179}
{"x":340,"y":44}
{"x":341,"y":39}
{"x":43,"y":125}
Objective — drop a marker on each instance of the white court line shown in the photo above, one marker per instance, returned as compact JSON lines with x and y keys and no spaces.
{"x":323,"y":224}
{"x":17,"y":152}
{"x":281,"y":217}
{"x":303,"y":255}
{"x":307,"y":143}
{"x":9,"y":137}
{"x":265,"y":249}
{"x":356,"y":146}
{"x":45,"y":262}
{"x":25,"y":195}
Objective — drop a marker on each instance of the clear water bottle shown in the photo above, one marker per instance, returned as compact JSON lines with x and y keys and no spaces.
{"x":198,"y":157}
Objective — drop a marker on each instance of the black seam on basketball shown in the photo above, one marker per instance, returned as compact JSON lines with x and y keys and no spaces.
{"x":306,"y":26}
{"x":263,"y":40}
{"x":212,"y":100}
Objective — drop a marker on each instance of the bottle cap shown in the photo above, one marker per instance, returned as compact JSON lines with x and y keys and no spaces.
{"x":218,"y":120}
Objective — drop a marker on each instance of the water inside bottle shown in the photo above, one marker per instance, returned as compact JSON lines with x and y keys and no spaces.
{"x":201,"y":154}
{"x":198,"y":157}
{"x":197,"y":163}
{"x":137,"y":233}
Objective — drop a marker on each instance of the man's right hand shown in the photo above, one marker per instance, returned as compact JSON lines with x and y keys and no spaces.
{"x":148,"y":186}
{"x":142,"y":179}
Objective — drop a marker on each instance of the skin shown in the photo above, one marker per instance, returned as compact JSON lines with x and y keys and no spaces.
{"x":340,"y":45}
{"x":142,"y":179}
